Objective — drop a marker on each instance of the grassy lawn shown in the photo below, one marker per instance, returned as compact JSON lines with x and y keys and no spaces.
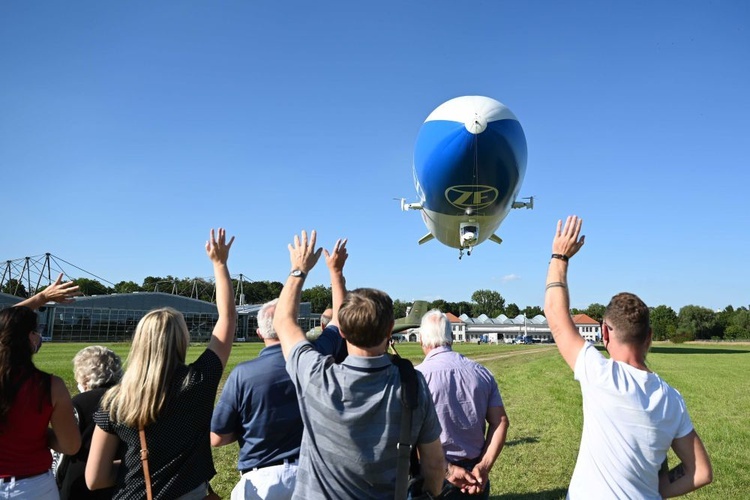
{"x":544,"y":406}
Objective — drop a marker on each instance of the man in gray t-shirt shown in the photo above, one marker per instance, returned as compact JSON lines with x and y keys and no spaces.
{"x":352,"y":411}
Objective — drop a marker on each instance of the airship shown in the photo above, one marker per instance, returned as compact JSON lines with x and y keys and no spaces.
{"x":469,"y":164}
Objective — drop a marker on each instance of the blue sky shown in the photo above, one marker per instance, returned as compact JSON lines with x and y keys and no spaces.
{"x":128,"y":129}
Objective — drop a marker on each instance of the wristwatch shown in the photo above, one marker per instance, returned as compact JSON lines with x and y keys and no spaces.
{"x":297,"y":273}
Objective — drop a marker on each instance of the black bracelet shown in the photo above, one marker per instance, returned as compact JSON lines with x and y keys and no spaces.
{"x":560,"y":256}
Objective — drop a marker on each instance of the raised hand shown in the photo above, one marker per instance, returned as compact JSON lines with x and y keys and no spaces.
{"x":217,"y":249}
{"x":566,"y":241}
{"x":302,"y":253}
{"x":62,"y":293}
{"x":337,"y":258}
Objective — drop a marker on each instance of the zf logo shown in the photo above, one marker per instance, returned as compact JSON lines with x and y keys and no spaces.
{"x":471,"y":196}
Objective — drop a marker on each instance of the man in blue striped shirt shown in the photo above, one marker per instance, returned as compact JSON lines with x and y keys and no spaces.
{"x":466,"y":396}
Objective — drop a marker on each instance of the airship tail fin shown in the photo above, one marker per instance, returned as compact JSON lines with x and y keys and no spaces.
{"x":497,"y":239}
{"x":427,"y":237}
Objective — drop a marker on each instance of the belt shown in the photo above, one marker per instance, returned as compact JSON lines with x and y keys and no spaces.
{"x":22,"y":476}
{"x":466,"y":463}
{"x":270,"y":464}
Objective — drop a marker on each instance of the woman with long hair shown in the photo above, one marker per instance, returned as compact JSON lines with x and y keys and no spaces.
{"x":36,"y":413}
{"x":171,"y":401}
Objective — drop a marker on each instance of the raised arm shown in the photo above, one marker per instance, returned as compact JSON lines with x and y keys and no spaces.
{"x":556,"y":299}
{"x":223,"y":334}
{"x":62,"y":293}
{"x":303,"y":257}
{"x":696,"y":467}
{"x":335,"y":262}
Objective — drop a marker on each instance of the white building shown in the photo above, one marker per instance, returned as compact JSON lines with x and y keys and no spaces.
{"x":589,"y":328}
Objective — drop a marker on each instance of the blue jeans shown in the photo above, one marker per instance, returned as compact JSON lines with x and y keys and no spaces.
{"x":41,"y":487}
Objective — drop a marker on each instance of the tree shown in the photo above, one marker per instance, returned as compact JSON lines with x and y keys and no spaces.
{"x":459,"y":308}
{"x":14,"y":287}
{"x":151,"y":284}
{"x":663,"y":322}
{"x":696,"y":322}
{"x":274,"y":289}
{"x":399,"y":308}
{"x":595,"y":311}
{"x":739,"y":325}
{"x":531,"y":311}
{"x":127,"y":287}
{"x":512,"y":310}
{"x":440,"y":305}
{"x":723,"y":320}
{"x":91,"y":287}
{"x":319,"y":297}
{"x":487,"y":302}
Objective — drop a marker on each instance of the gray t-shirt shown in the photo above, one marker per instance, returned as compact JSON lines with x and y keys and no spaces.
{"x":352,"y":416}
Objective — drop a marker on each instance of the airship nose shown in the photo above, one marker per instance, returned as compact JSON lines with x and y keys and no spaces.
{"x":476,"y":124}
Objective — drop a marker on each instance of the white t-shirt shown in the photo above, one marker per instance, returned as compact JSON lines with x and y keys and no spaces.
{"x":630,"y":418}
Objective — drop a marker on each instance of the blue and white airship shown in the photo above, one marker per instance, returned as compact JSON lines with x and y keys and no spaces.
{"x":469,"y":163}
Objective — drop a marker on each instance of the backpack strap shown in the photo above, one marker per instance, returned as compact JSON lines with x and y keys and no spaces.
{"x":409,"y":401}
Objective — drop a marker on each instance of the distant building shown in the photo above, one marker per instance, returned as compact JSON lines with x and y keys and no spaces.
{"x":491,"y":330}
{"x":506,"y":330}
{"x":588,"y":327}
{"x":112,"y":318}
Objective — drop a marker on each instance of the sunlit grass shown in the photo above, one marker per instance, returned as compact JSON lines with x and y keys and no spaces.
{"x":544,"y":406}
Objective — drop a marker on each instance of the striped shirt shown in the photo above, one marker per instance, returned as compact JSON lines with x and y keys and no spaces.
{"x":352,"y":416}
{"x":463,"y":391}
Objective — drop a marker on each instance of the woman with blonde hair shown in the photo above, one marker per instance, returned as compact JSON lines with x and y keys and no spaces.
{"x":170,"y":400}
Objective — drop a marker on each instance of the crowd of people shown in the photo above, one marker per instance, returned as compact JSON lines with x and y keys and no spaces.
{"x":336,"y":417}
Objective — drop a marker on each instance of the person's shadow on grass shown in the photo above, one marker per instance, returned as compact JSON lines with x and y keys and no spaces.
{"x":556,"y":494}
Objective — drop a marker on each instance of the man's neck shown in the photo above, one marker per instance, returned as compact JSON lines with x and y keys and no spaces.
{"x":629,"y":355}
{"x":270,"y":342}
{"x":366,"y":352}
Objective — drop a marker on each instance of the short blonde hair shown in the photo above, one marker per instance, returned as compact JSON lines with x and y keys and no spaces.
{"x":159,"y":346}
{"x":97,"y":366}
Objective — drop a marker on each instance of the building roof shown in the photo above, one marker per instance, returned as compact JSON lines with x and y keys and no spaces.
{"x":584,"y":319}
{"x":504,"y":320}
{"x":453,"y":318}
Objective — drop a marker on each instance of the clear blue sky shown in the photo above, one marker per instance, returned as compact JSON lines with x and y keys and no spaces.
{"x":128,"y":129}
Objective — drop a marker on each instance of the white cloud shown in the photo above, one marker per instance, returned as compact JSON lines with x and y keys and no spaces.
{"x":510,"y":277}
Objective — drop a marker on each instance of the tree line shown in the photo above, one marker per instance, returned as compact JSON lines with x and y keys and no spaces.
{"x":691,"y":322}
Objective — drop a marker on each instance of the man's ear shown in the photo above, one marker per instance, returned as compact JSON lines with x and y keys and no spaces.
{"x":605,"y":332}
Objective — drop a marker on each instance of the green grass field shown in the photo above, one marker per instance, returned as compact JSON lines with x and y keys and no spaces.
{"x":543,"y":403}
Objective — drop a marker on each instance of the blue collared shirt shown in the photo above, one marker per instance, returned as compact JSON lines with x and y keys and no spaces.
{"x":463,"y":391}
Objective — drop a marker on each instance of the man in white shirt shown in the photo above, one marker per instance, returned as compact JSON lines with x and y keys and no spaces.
{"x":631,"y":416}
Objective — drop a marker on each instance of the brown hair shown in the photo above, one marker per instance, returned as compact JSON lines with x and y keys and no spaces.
{"x":629,"y":318}
{"x":366,"y":317}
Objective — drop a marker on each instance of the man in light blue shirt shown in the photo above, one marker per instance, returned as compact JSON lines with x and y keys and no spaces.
{"x":466,"y":396}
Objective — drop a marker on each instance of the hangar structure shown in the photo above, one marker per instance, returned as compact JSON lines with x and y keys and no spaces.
{"x":112,"y":318}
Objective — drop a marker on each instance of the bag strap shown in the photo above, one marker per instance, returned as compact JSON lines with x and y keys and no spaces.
{"x":144,"y":463}
{"x":409,"y":402}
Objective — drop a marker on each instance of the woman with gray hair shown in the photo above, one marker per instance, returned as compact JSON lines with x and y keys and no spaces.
{"x":96,"y":369}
